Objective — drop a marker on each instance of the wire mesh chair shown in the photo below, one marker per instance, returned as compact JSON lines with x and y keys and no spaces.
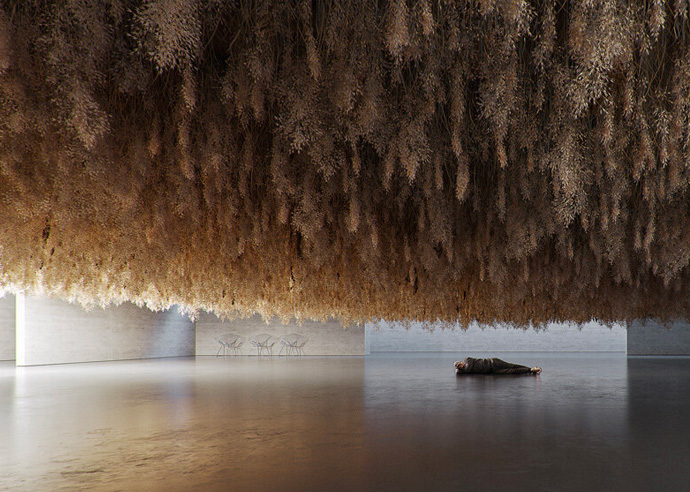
{"x":287,"y":342}
{"x":299,"y":344}
{"x":293,"y":344}
{"x":229,"y":343}
{"x":234,"y":344}
{"x":263,"y":343}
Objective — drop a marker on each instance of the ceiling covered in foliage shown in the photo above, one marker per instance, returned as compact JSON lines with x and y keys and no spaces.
{"x":495,"y":160}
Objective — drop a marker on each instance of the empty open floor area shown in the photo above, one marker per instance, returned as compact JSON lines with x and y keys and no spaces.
{"x":381,"y":422}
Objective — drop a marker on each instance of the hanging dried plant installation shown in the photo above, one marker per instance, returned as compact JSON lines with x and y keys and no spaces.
{"x":521,"y":161}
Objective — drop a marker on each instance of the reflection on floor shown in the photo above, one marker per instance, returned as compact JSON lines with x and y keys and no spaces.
{"x":384,"y":422}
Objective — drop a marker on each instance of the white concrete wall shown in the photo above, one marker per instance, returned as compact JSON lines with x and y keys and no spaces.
{"x":651,"y":338}
{"x":328,"y":338}
{"x":591,"y":337}
{"x":54,"y":332}
{"x":7,"y":327}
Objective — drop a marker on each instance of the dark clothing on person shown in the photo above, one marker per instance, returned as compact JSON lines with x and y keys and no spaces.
{"x":494,"y":365}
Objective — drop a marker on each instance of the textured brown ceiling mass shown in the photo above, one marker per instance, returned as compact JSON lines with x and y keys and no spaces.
{"x":518,"y":161}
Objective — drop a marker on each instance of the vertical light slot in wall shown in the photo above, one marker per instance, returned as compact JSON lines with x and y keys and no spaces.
{"x":20,"y":327}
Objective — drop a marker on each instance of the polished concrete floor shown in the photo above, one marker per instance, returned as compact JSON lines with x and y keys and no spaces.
{"x":384,"y":422}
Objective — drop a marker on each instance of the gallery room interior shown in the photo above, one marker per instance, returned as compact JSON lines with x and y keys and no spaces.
{"x":293,"y":245}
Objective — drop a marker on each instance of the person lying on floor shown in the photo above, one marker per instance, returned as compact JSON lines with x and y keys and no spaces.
{"x":493,"y":365}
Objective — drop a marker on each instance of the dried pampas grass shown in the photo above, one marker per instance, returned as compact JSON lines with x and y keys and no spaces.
{"x":504,"y":160}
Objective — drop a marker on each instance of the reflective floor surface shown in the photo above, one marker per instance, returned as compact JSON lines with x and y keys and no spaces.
{"x":383,"y":422}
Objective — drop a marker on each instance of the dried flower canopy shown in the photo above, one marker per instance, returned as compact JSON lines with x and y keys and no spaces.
{"x":492,"y":160}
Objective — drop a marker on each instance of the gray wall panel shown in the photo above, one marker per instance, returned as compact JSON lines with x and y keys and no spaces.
{"x":591,"y":337}
{"x":55,"y":332}
{"x":7,"y":327}
{"x":651,"y":338}
{"x":328,"y":338}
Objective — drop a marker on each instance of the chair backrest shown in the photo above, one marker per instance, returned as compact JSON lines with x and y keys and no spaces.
{"x":301,"y":341}
{"x":234,"y":340}
{"x":289,"y":340}
{"x":262,"y":338}
{"x":228,"y":338}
